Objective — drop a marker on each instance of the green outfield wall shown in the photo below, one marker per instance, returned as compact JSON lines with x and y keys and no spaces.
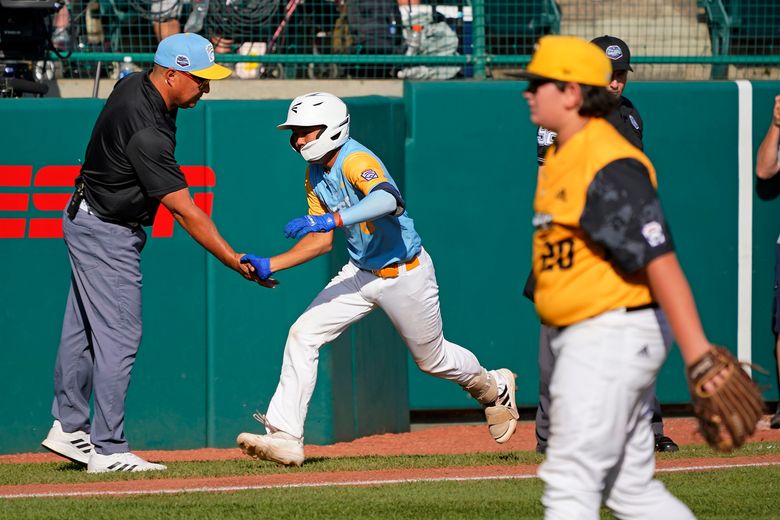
{"x":464,"y":155}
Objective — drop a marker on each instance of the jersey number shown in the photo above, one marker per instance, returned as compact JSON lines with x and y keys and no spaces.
{"x":559,"y":253}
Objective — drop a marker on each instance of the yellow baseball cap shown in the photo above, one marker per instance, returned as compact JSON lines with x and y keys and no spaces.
{"x":568,"y":58}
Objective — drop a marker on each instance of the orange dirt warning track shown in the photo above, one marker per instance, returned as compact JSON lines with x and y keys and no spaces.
{"x":434,"y":440}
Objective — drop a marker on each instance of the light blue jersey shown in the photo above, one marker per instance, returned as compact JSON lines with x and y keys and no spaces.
{"x":375,"y":244}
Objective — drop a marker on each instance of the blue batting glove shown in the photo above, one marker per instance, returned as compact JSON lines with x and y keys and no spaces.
{"x":262,"y":265}
{"x":300,"y":226}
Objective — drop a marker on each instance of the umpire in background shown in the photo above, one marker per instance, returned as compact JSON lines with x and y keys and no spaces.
{"x":129,"y":169}
{"x":626,"y":120}
{"x":767,"y":166}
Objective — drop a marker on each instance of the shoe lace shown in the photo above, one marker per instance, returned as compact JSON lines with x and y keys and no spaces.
{"x":262,"y":419}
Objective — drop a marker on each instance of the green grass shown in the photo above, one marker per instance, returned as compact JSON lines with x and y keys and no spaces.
{"x":740,"y":493}
{"x":68,"y":472}
{"x":743,"y":493}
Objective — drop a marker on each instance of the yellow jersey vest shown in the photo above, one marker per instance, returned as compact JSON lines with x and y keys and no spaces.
{"x":574,"y":278}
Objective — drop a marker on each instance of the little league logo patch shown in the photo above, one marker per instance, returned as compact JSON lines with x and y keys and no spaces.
{"x":182,"y":61}
{"x":545,"y":137}
{"x":614,"y":52}
{"x":633,"y":121}
{"x":210,"y":52}
{"x":369,"y":175}
{"x":653,"y":233}
{"x":542,"y":220}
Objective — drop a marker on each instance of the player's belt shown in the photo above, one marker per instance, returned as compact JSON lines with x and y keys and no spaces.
{"x":652,"y":305}
{"x":393,"y":270}
{"x":83,"y":206}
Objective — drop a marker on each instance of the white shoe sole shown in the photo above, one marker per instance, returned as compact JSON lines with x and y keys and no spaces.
{"x":68,"y":450}
{"x":259,"y":448}
{"x":120,"y":466}
{"x":119,"y":470}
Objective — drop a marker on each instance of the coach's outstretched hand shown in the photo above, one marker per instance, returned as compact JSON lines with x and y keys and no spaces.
{"x":298,"y":227}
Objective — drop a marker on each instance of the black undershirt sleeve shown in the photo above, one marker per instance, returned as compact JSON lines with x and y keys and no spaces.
{"x":623,"y":215}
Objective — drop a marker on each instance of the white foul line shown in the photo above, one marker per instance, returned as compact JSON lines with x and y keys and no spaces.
{"x":206,"y":489}
{"x":745,"y":223}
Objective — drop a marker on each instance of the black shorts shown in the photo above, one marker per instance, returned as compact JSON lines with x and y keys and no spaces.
{"x":776,"y":302}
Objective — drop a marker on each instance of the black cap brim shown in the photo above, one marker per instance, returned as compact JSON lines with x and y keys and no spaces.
{"x":524,"y":74}
{"x":621,"y":66}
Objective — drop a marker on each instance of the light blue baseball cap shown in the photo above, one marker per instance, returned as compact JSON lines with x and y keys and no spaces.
{"x":190,"y":52}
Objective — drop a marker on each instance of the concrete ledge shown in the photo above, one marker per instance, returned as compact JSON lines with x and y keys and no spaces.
{"x":247,"y":89}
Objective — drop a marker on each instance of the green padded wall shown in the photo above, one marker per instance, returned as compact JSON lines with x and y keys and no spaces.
{"x":464,"y":155}
{"x":471,"y":166}
{"x":470,"y":175}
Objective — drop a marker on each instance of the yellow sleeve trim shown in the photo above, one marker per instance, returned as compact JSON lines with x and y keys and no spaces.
{"x":363,"y":171}
{"x":316,"y":206}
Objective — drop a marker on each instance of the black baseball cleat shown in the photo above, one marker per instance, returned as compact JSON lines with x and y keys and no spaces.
{"x":774,"y":422}
{"x":665,"y":444}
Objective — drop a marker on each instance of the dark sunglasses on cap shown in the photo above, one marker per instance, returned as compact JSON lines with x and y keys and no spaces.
{"x":535,"y":83}
{"x":202,"y":83}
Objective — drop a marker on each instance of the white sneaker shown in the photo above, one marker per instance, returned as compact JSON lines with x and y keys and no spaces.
{"x":278,"y":447}
{"x":502,"y":416}
{"x":75,"y":446}
{"x":120,"y":462}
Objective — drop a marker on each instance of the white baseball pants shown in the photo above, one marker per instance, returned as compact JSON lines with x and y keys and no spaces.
{"x":600,"y":449}
{"x":410,"y":300}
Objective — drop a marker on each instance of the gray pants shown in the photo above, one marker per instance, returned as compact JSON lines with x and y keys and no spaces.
{"x":101,"y":330}
{"x":546,"y":364}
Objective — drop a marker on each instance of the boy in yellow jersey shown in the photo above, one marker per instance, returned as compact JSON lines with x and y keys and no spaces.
{"x":603,"y":261}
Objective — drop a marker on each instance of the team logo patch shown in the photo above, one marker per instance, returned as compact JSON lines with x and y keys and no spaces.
{"x":369,"y":175}
{"x":182,"y":61}
{"x":542,"y":220}
{"x":614,"y":52}
{"x":633,"y":121}
{"x":210,"y":52}
{"x":545,"y":137}
{"x":653,"y":233}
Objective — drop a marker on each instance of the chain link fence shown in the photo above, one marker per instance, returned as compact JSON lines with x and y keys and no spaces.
{"x":406,"y":39}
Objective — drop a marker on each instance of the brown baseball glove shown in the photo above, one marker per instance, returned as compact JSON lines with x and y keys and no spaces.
{"x":727,"y":413}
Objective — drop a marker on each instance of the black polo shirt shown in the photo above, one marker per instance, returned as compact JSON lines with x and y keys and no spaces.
{"x":130,"y":160}
{"x":625,"y":118}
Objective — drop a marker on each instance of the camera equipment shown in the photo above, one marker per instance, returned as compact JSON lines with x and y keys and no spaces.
{"x":24,"y":37}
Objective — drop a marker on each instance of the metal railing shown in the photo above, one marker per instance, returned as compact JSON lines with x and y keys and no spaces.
{"x":410,"y":39}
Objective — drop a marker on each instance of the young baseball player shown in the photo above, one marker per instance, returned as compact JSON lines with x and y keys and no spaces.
{"x":627,"y":121}
{"x":348,"y":187}
{"x":603,"y":261}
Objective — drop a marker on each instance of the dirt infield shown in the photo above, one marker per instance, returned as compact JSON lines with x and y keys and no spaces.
{"x":428,"y":441}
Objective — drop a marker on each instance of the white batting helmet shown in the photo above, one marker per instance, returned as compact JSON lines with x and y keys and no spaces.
{"x":319,"y":109}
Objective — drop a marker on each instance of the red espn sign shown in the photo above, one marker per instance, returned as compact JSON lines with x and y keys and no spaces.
{"x":64,"y":177}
